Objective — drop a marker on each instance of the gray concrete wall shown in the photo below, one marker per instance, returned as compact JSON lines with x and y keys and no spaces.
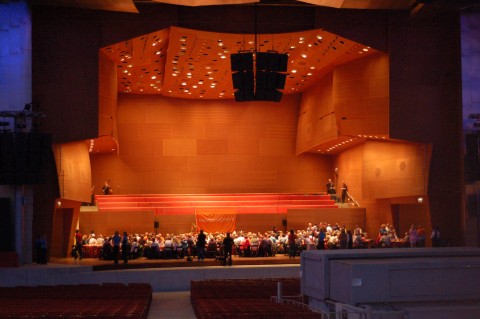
{"x":165,"y":279}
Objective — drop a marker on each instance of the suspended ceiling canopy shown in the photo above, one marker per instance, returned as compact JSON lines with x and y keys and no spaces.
{"x":129,"y":5}
{"x":185,"y":63}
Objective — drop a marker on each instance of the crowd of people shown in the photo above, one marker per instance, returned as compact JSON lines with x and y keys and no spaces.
{"x":201,"y":245}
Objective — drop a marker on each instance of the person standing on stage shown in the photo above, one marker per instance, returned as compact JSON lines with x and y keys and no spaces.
{"x":321,"y":239}
{"x":125,"y":247}
{"x":78,"y":245}
{"x":344,"y":192}
{"x":227,"y":249}
{"x":330,"y":187}
{"x":201,"y":242}
{"x":292,"y":245}
{"x":116,"y":239}
{"x":435,"y":237}
{"x":41,"y":245}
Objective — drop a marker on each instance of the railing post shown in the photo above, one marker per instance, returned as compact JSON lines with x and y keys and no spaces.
{"x":279,"y":292}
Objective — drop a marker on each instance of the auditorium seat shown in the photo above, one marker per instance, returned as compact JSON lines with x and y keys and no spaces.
{"x":76,"y":301}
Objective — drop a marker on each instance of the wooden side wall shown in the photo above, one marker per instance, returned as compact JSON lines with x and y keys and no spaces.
{"x":381,"y":174}
{"x":74,"y":171}
{"x":353,"y":100}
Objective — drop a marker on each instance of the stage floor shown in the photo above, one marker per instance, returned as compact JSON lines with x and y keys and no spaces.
{"x":99,"y":264}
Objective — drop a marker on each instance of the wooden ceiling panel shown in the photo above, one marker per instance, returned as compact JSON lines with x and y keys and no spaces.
{"x":104,"y":5}
{"x":186,"y":63}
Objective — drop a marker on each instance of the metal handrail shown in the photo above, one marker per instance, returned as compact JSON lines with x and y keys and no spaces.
{"x":352,"y":199}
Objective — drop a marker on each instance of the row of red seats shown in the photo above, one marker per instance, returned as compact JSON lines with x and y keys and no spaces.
{"x":76,"y":301}
{"x":238,"y":288}
{"x":249,"y":308}
{"x":246,"y":298}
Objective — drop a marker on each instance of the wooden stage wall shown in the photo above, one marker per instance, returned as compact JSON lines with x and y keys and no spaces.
{"x":106,"y":223}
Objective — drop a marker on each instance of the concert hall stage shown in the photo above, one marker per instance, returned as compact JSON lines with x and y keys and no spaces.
{"x":183,"y":213}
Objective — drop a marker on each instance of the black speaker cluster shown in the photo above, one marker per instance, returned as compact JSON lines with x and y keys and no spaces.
{"x":23,"y":158}
{"x":257,"y":76}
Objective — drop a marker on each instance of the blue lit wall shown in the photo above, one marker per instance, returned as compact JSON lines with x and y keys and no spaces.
{"x":15,"y":55}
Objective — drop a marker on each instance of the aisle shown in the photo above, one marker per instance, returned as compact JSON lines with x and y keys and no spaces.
{"x":173,"y":304}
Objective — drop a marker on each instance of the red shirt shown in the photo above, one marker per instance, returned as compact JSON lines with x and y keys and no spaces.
{"x":78,"y":238}
{"x":291,"y":238}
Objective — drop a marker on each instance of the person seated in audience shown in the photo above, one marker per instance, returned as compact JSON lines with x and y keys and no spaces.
{"x":299,"y":242}
{"x":167,"y":247}
{"x":168,"y":242}
{"x":177,"y":247}
{"x":309,"y":227}
{"x":392,"y":234}
{"x":92,"y":240}
{"x":154,"y":251}
{"x":237,"y":241}
{"x":357,"y":231}
{"x":385,"y":241}
{"x":273,"y":241}
{"x":211,"y":240}
{"x":211,"y":247}
{"x":134,"y":249}
{"x":358,"y":241}
{"x":329,"y":228}
{"x":308,"y":242}
{"x":100,"y":240}
{"x":265,"y":248}
{"x":246,"y":246}
{"x":282,"y":243}
{"x":332,"y":241}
